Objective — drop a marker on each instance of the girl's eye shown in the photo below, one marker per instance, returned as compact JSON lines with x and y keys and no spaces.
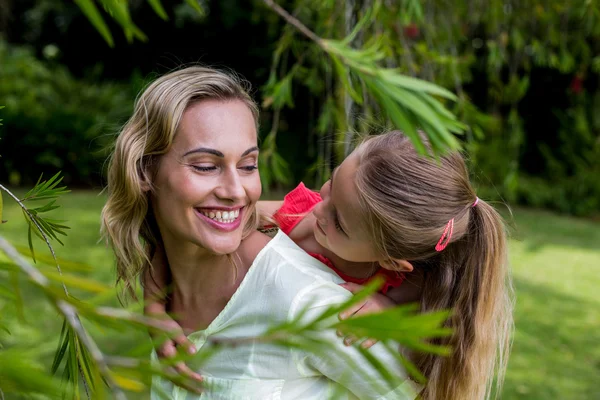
{"x":204,"y":169}
{"x":250,"y":168}
{"x":336,"y":222}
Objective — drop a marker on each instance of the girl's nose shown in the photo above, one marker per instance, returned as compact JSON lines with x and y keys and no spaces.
{"x":319,"y":213}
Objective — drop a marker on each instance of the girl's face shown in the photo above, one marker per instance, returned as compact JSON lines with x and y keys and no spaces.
{"x":338,"y":225}
{"x":207,"y":184}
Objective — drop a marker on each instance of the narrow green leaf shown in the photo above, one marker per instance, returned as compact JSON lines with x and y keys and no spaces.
{"x":158,"y":9}
{"x":399,"y":117}
{"x":91,"y":12}
{"x":195,"y":4}
{"x":344,"y":77}
{"x":60,"y":351}
{"x":30,"y":241}
{"x":395,"y":78}
{"x":77,"y":281}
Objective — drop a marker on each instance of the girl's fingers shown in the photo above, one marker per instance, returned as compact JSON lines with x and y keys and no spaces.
{"x":367,"y":344}
{"x":353,"y":309}
{"x":350,"y":340}
{"x":186,"y":371}
{"x":182,"y":341}
{"x":167,"y":349}
{"x":352,"y":287}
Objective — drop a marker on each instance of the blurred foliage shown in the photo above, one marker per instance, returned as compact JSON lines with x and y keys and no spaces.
{"x":409,"y":103}
{"x":90,"y":371}
{"x":515,"y":66}
{"x":53,"y":121}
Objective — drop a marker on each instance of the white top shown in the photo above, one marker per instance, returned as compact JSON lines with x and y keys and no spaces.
{"x":282,"y":281}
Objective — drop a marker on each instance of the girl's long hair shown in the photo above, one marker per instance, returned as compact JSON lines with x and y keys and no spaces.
{"x":408,"y":200}
{"x":127,"y":221}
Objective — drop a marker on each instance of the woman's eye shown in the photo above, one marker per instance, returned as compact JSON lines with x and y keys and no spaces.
{"x":250,"y":168}
{"x":204,"y":168}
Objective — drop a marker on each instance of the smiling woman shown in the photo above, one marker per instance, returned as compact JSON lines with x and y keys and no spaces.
{"x":206,"y":185}
{"x":183,"y":178}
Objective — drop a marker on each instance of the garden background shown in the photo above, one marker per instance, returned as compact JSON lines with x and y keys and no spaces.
{"x":525,"y":74}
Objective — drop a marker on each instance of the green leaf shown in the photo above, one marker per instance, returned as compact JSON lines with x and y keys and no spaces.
{"x":195,"y":4}
{"x":344,"y":77}
{"x":77,"y":281}
{"x":119,"y":10}
{"x":158,"y":9}
{"x":399,"y":117}
{"x":30,"y":241}
{"x":62,"y":348}
{"x":91,"y":12}
{"x":395,"y":78}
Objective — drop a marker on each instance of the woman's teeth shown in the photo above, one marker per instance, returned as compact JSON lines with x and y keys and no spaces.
{"x":225,"y":217}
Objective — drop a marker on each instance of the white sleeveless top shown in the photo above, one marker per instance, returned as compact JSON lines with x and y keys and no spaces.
{"x":283,"y":281}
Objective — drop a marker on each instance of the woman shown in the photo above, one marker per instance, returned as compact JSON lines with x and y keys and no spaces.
{"x":183,"y":174}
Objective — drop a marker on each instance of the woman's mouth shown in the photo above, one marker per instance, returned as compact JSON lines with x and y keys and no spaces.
{"x":220,"y":219}
{"x":226,"y":217}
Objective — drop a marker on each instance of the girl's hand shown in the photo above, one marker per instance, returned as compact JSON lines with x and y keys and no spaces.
{"x":177,"y":340}
{"x":375,"y":303}
{"x":169,"y":349}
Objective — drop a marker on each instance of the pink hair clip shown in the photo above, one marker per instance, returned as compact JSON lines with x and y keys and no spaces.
{"x":476,"y":201}
{"x":441,"y":245}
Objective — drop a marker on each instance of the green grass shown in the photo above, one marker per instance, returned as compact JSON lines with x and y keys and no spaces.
{"x":556,"y":268}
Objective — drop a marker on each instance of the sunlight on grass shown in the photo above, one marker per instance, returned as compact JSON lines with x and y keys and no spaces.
{"x":556,"y":266}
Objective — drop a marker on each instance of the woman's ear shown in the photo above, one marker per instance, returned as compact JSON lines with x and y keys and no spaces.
{"x":144,"y":176}
{"x":395,"y":264}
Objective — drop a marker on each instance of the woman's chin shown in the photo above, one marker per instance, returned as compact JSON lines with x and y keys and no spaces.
{"x":223,"y":247}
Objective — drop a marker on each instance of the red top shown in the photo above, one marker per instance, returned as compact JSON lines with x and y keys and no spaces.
{"x":296,"y":205}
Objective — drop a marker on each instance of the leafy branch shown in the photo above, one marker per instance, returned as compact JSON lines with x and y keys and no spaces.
{"x":410,"y":103}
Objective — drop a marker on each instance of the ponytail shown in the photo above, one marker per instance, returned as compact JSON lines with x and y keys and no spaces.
{"x":472,"y":279}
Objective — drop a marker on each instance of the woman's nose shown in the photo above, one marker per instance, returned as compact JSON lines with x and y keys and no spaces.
{"x":231,"y":187}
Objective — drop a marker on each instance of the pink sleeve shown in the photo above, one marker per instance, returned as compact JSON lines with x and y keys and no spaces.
{"x":296,"y":204}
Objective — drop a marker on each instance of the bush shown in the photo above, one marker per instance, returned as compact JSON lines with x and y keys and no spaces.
{"x":570,"y":178}
{"x":53,"y":121}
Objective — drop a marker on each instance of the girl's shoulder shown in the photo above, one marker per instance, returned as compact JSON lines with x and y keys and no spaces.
{"x":251,"y":246}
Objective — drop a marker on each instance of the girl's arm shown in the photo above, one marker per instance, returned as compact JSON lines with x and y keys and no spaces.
{"x":408,"y":292}
{"x":345,"y":364}
{"x":268,"y":207}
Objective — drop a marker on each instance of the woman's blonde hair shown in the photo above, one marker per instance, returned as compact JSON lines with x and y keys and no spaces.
{"x":127,"y":221}
{"x":408,"y":200}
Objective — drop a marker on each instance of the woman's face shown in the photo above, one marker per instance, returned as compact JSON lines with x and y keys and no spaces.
{"x":207,"y":184}
{"x":338,"y":225}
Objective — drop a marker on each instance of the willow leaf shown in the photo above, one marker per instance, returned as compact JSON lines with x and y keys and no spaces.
{"x":93,"y":15}
{"x":158,"y":9}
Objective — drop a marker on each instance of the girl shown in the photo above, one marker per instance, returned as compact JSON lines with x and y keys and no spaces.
{"x":387,"y":206}
{"x":183,"y":174}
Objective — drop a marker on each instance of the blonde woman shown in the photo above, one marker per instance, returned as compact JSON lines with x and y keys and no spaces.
{"x":183,"y":174}
{"x":387,"y":207}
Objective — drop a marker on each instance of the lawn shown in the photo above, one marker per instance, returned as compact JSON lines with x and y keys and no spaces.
{"x":556,"y":268}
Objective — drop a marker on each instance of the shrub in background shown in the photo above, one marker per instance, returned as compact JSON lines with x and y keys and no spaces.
{"x":53,"y":121}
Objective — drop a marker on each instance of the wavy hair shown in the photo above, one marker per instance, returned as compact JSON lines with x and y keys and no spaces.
{"x":127,"y":221}
{"x":407,"y":201}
